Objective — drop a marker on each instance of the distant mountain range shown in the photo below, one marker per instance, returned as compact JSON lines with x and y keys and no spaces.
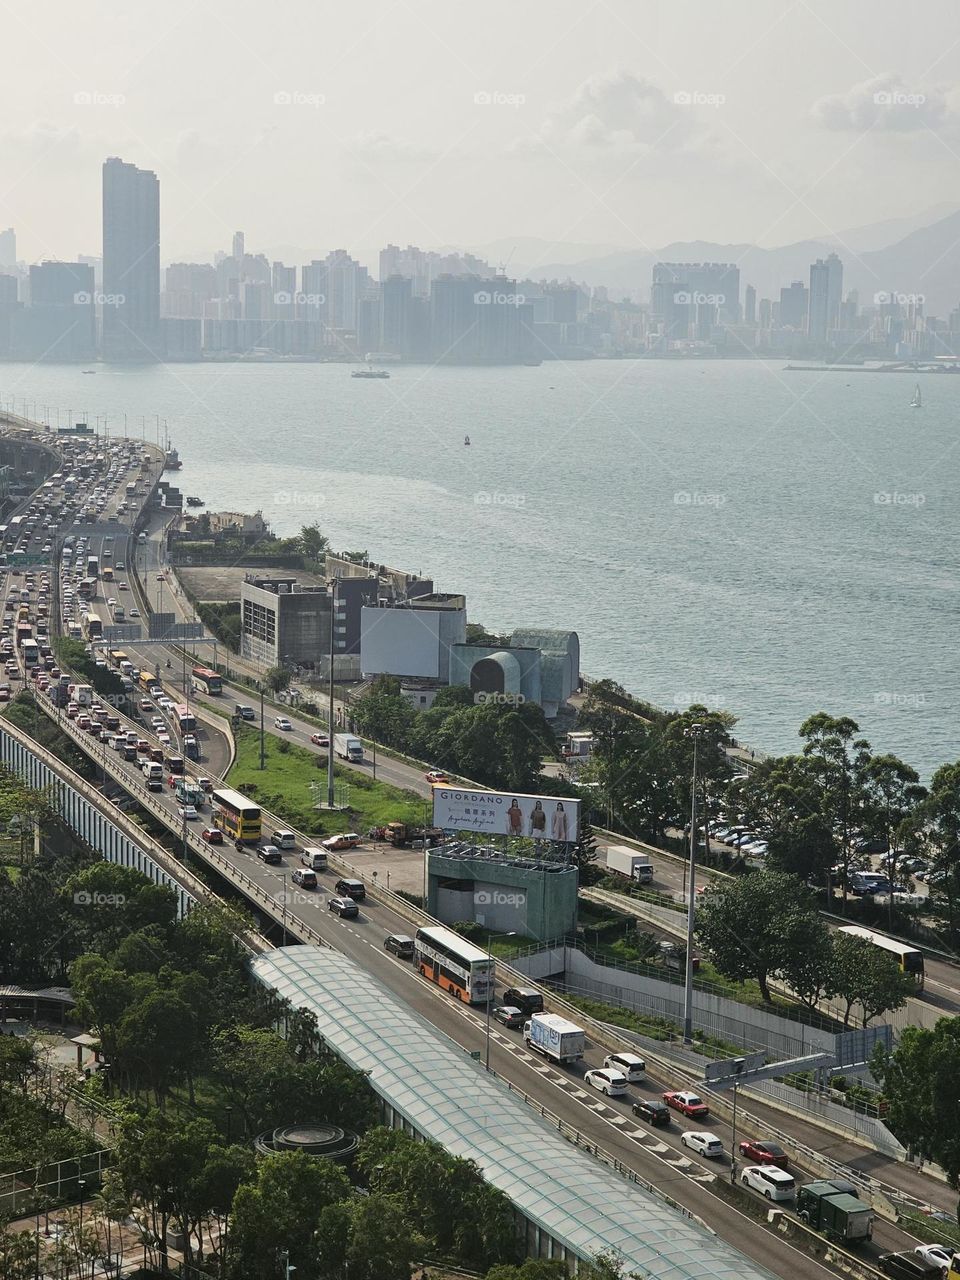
{"x":925,"y":260}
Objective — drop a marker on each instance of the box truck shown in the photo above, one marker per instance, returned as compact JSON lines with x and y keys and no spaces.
{"x":839,"y":1215}
{"x":554,"y":1037}
{"x":348,"y":747}
{"x":629,"y":863}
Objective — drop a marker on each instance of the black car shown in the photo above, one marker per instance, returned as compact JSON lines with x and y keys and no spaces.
{"x":343,"y":906}
{"x":510,"y":1016}
{"x":269,"y":853}
{"x":350,"y":888}
{"x":527,"y":999}
{"x":654,"y":1112}
{"x":399,"y":945}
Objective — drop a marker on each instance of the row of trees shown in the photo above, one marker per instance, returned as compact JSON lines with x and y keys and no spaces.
{"x":498,"y":745}
{"x":766,"y":925}
{"x":820,"y":809}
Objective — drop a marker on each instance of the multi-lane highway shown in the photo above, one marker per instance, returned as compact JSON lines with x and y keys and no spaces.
{"x":657,"y":1156}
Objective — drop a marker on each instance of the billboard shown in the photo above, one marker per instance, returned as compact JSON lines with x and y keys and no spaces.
{"x":400,"y":642}
{"x":502,"y":813}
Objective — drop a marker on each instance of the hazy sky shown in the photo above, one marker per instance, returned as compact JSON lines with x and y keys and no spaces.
{"x":438,"y":122}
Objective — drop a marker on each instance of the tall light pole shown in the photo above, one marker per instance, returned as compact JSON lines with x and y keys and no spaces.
{"x":695,"y":732}
{"x":333,"y":610}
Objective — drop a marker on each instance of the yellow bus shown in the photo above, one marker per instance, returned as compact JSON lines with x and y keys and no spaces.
{"x":953,"y":1272}
{"x":908,"y":958}
{"x":106,"y":573}
{"x":147,"y":680}
{"x":236,"y":816}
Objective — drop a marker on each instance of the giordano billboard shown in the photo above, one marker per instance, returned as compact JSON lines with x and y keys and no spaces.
{"x":504,"y":813}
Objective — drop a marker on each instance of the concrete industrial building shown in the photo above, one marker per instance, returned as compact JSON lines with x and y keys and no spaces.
{"x":414,"y":637}
{"x":283,"y":622}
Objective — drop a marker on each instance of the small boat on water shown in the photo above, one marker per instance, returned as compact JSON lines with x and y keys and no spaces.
{"x":194,"y":502}
{"x":917,"y":401}
{"x":370,"y":373}
{"x":171,"y":461}
{"x":88,"y":371}
{"x":466,"y":439}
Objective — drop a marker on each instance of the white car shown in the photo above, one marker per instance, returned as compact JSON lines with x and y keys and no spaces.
{"x":707,"y":1144}
{"x":282,"y":722}
{"x":163,"y":736}
{"x":771,"y":1181}
{"x":612,"y":1083}
{"x":188,"y":811}
{"x":934,"y":1255}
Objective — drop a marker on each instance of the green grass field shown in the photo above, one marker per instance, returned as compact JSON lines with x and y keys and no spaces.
{"x":283,"y":787}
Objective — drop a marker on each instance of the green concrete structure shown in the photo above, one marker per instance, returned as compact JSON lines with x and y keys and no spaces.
{"x":534,"y":898}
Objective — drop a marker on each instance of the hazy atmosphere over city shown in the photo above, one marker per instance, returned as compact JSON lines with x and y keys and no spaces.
{"x":566,"y":129}
{"x":479,"y":680}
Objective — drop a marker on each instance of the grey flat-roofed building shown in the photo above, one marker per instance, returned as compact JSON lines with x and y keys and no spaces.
{"x":283,"y":622}
{"x":573,"y":1206}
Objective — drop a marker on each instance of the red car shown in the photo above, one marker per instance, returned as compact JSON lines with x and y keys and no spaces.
{"x":689,"y":1104}
{"x":764,"y":1153}
{"x":319,"y":739}
{"x":212,"y":835}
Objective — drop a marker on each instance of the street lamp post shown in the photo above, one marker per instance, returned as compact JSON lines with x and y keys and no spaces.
{"x":333,"y":613}
{"x":262,"y":741}
{"x":695,"y":731}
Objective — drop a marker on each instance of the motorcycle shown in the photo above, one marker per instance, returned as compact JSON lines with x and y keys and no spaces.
{"x":238,"y":844}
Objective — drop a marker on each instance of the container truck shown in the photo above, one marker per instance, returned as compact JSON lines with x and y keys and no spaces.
{"x":554,"y":1037}
{"x":629,"y":863}
{"x":839,"y":1215}
{"x":348,"y":747}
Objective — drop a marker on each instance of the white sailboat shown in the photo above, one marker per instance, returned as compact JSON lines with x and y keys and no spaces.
{"x":917,"y":401}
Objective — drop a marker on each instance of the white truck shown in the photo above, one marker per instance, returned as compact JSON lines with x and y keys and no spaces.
{"x":348,"y":747}
{"x":554,"y":1037}
{"x":629,"y":863}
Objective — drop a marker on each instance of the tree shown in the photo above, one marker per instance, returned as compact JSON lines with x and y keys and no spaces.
{"x":711,"y":730}
{"x":380,"y":1243}
{"x":754,"y":926}
{"x":806,"y":965}
{"x":276,"y":679}
{"x":863,"y":974}
{"x":583,"y":856}
{"x":940,"y":817}
{"x":385,"y":714}
{"x":893,"y":796}
{"x":279,"y":1211}
{"x":840,"y":758}
{"x":312,"y":543}
{"x":921,"y":1082}
{"x":783,"y":799}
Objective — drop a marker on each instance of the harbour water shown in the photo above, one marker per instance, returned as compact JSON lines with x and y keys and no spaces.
{"x":774,"y":543}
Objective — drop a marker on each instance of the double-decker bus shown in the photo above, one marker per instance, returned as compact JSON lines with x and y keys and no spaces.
{"x":457,"y":966}
{"x":92,"y":626}
{"x":31,"y":652}
{"x":236,"y":816}
{"x":186,"y":720}
{"x":87,"y":590}
{"x":909,"y":959}
{"x":207,"y":681}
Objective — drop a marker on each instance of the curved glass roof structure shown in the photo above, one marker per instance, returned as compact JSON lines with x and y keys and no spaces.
{"x":446,"y":1096}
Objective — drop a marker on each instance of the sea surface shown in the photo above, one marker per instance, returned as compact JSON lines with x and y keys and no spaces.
{"x":769,"y":542}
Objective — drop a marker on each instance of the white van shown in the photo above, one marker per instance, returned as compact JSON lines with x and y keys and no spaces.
{"x":629,"y":1064}
{"x":284,"y":840}
{"x":315,"y":859}
{"x":772,"y":1182}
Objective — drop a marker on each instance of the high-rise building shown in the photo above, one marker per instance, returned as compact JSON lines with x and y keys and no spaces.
{"x":8,"y":248}
{"x":396,"y":293}
{"x":750,"y":305}
{"x":826,"y":292}
{"x":131,"y":262}
{"x":60,"y":323}
{"x":238,"y":246}
{"x":765,"y":313}
{"x":793,"y":306}
{"x":682,"y":289}
{"x":187,"y":287}
{"x":284,"y":283}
